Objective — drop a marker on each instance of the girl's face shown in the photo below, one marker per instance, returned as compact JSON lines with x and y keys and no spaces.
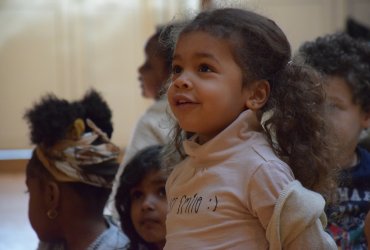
{"x":153,"y":73}
{"x":37,"y":208}
{"x":206,"y":93}
{"x":149,"y":208}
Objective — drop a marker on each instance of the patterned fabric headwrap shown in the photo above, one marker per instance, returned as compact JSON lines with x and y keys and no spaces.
{"x":77,"y":159}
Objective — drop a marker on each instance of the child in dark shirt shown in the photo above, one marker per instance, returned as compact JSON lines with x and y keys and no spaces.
{"x":345,"y":65}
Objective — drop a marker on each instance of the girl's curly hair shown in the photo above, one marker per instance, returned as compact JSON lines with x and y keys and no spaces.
{"x":296,"y":126}
{"x":50,"y":119}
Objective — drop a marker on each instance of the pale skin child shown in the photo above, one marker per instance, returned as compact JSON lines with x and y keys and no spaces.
{"x":345,"y":66}
{"x":141,"y":200}
{"x":70,"y":174}
{"x":250,"y":128}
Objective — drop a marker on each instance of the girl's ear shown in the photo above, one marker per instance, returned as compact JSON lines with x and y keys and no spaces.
{"x":259,"y":92}
{"x":366,"y":120}
{"x":52,"y":194}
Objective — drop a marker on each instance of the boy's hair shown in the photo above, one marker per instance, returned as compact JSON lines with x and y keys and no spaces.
{"x":296,"y":124}
{"x":144,"y":162}
{"x":50,"y":123}
{"x":340,"y":55}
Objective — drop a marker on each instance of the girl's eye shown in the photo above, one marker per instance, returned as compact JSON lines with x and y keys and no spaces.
{"x":176,"y":69}
{"x":204,"y":68}
{"x":162,"y":191}
{"x":136,"y":195}
{"x":333,"y":106}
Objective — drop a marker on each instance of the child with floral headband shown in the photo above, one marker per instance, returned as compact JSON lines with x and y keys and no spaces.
{"x":70,"y":174}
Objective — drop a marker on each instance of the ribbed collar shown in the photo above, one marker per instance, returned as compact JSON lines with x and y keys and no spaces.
{"x":226,"y":143}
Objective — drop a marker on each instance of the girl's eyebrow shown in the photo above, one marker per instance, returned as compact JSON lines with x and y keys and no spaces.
{"x":157,"y":181}
{"x":337,"y":99}
{"x":198,"y":55}
{"x":176,"y":56}
{"x":206,"y":55}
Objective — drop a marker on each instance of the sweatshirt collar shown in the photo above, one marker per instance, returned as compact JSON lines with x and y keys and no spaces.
{"x":245,"y":126}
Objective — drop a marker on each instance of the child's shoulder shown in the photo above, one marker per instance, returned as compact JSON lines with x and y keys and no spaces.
{"x":265,"y":152}
{"x":266,"y":160}
{"x":158,"y":107}
{"x":364,"y":156}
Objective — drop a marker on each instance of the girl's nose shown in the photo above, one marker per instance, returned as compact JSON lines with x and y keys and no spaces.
{"x":143,"y":67}
{"x":183,"y":82}
{"x":140,"y":69}
{"x":148,"y":203}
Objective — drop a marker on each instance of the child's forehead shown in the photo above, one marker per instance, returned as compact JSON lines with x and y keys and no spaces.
{"x":154,"y":48}
{"x":338,"y":88}
{"x":335,"y":81}
{"x":153,"y":177}
{"x":203,"y":41}
{"x":199,"y":34}
{"x":152,"y":45}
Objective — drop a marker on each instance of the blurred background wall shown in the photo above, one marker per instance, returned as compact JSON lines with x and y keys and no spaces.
{"x":68,"y":46}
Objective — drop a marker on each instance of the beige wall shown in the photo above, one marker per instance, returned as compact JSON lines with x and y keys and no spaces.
{"x":67,"y":46}
{"x":359,"y":10}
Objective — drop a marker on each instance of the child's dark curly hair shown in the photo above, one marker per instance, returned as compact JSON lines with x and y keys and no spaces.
{"x":50,"y":119}
{"x":340,"y":55}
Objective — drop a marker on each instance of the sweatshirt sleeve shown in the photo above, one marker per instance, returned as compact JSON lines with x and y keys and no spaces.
{"x":298,"y":221}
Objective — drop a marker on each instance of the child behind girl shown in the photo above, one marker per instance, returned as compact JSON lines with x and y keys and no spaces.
{"x":152,"y":128}
{"x":141,"y":200}
{"x":251,"y":123}
{"x":70,"y":174}
{"x":345,"y":64}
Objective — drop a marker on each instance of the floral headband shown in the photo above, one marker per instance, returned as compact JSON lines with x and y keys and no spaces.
{"x":77,"y":159}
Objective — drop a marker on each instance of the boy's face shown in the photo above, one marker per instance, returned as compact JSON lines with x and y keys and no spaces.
{"x":206,"y":93}
{"x":149,"y":208}
{"x":347,"y":118}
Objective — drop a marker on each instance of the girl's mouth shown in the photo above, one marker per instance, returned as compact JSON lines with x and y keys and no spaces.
{"x":181,"y":100}
{"x":149,"y":221}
